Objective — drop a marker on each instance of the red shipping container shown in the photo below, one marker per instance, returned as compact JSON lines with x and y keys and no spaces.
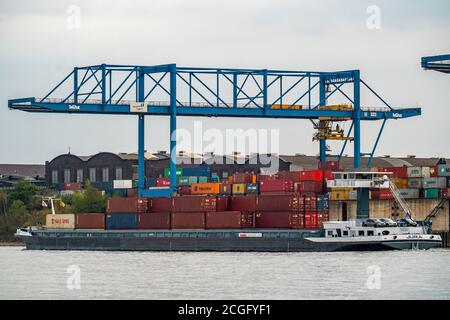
{"x":239,"y":177}
{"x":297,"y":220}
{"x":71,"y":186}
{"x":160,"y":204}
{"x":90,"y":221}
{"x":289,"y":175}
{"x":163,"y":182}
{"x":243,"y":203}
{"x":381,"y":194}
{"x":194,"y":204}
{"x":127,"y":205}
{"x":276,"y":186}
{"x":156,"y":220}
{"x":397,"y":172}
{"x":132,"y":193}
{"x":310,"y":202}
{"x":321,"y":218}
{"x":222,"y":203}
{"x":311,"y":175}
{"x":188,"y":220}
{"x":277,"y":203}
{"x":312,"y":186}
{"x":310,"y":220}
{"x":228,"y":220}
{"x":301,"y":202}
{"x":184,"y":190}
{"x":270,"y":219}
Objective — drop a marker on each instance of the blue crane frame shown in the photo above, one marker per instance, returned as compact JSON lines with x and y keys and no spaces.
{"x":439,"y":63}
{"x":256,"y":106}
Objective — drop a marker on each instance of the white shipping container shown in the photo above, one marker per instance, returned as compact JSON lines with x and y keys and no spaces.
{"x":409,"y":193}
{"x":60,"y":221}
{"x":430,"y":183}
{"x":418,"y":172}
{"x":444,"y":170}
{"x":123,"y":184}
{"x":415,"y":183}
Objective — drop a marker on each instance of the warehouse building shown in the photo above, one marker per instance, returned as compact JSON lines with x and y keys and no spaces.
{"x":107,"y":166}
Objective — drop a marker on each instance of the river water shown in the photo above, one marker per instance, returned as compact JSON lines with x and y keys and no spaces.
{"x":173,"y":275}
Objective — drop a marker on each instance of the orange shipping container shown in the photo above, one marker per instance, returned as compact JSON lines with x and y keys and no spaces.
{"x":205,"y":188}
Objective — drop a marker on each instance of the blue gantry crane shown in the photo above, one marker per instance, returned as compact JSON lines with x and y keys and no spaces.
{"x":439,"y":63}
{"x":173,"y":91}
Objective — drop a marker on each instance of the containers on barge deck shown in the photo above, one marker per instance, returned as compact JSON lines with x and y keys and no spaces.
{"x":193,"y":204}
{"x":278,"y":203}
{"x":155,"y":220}
{"x":279,"y":220}
{"x":243,"y":203}
{"x":229,"y":220}
{"x":131,"y":205}
{"x":121,"y":221}
{"x":276,"y":186}
{"x":60,"y":221}
{"x":188,"y":220}
{"x":90,"y":221}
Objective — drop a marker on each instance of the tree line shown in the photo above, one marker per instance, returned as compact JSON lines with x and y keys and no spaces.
{"x":22,"y":206}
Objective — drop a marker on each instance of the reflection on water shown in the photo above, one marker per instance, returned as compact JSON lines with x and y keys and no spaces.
{"x":172,"y":275}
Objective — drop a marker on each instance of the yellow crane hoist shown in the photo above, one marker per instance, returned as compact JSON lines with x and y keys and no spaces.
{"x":328,"y":129}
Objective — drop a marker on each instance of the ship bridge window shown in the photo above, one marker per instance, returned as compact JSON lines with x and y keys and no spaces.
{"x":330,"y":233}
{"x":370,"y":233}
{"x":385,"y":232}
{"x":345,"y":233}
{"x":361,"y":233}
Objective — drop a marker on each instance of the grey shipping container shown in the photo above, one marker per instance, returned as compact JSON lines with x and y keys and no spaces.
{"x":410,"y":193}
{"x":418,"y":172}
{"x":415,"y":183}
{"x":437,"y":182}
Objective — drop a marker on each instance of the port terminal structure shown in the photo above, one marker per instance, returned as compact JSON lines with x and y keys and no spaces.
{"x":171,"y":90}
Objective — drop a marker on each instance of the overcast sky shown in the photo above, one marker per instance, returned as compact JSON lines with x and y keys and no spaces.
{"x":38,"y":49}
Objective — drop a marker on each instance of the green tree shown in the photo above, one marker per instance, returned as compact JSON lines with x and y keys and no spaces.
{"x":89,"y":200}
{"x":25,"y":192}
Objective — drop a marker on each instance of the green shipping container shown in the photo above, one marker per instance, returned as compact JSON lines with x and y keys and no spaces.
{"x":192,"y":180}
{"x":167,"y":172}
{"x":215,"y":179}
{"x":202,"y":179}
{"x":431,"y":193}
{"x":134,"y":183}
{"x":183,"y":181}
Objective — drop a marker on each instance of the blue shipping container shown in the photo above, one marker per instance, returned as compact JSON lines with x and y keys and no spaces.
{"x":323,"y":203}
{"x":121,"y":221}
{"x":197,"y":171}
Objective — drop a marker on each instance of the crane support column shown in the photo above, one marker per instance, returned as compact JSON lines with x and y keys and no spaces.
{"x":357,"y":120}
{"x":141,"y":134}
{"x":323,"y":102}
{"x":141,"y":160}
{"x":173,"y":126}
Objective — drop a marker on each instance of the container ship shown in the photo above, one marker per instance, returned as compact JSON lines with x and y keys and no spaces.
{"x":286,"y":212}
